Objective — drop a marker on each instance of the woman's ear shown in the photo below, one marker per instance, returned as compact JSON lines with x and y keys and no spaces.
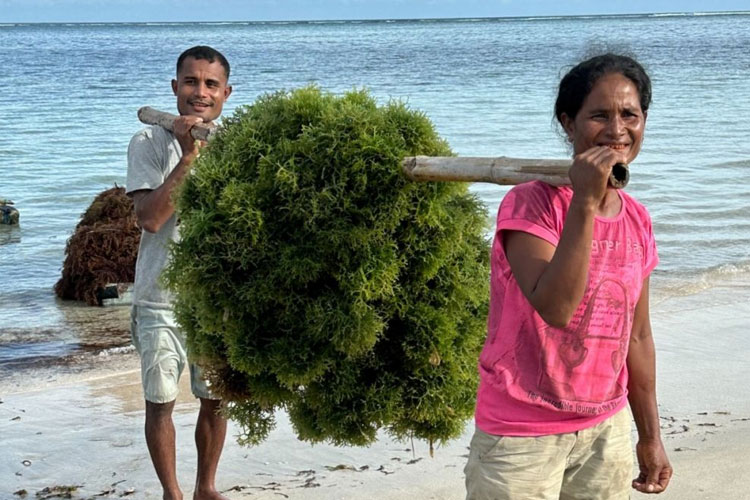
{"x":569,"y":125}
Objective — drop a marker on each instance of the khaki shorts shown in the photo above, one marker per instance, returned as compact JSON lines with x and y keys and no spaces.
{"x":591,"y":464}
{"x":161,"y":345}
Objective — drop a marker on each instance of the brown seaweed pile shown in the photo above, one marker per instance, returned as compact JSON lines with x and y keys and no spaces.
{"x":103,"y":248}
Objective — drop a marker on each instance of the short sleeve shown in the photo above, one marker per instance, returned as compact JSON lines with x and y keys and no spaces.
{"x":530,"y":208}
{"x":650,"y":254}
{"x":145,"y":167}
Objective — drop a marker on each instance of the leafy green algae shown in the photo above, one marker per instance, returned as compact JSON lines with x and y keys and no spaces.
{"x":312,"y":276}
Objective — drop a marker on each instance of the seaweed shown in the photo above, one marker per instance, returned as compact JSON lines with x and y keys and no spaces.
{"x":312,"y":276}
{"x":103,"y":248}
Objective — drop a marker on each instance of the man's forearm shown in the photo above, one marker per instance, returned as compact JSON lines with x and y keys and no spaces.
{"x":155,"y":208}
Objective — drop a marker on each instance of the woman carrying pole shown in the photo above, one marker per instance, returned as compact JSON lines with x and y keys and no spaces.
{"x":569,"y":337}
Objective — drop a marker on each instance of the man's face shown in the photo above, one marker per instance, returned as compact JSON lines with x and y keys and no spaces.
{"x":201,"y":88}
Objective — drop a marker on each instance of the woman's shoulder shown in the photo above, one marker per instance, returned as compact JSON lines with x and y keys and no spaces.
{"x":635,"y":207}
{"x":536,"y":199}
{"x":540,"y":193}
{"x":541,"y":190}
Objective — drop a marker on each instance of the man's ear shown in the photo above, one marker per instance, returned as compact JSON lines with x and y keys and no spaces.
{"x":227,"y":91}
{"x":174,"y":87}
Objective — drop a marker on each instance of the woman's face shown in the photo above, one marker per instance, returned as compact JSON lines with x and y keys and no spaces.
{"x":610,"y":116}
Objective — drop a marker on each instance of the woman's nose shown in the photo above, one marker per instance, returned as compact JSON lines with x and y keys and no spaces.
{"x":616,"y":126}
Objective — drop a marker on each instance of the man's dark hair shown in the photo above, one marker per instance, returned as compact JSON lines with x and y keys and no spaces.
{"x":578,"y":83}
{"x":204,"y":52}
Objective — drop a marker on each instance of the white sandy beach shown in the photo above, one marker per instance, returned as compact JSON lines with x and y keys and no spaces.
{"x":85,"y":430}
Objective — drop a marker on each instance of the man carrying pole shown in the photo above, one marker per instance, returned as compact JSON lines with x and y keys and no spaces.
{"x":158,"y":161}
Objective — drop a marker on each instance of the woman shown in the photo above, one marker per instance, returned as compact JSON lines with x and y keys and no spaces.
{"x":569,"y":336}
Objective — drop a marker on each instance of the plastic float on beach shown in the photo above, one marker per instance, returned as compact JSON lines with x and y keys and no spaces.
{"x":8,"y":213}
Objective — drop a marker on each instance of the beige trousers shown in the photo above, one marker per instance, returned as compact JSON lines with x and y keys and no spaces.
{"x":591,"y":464}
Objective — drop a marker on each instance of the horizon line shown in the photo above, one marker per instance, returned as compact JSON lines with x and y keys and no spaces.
{"x":393,"y":19}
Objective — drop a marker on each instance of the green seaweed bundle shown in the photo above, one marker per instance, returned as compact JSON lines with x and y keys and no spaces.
{"x":312,"y":276}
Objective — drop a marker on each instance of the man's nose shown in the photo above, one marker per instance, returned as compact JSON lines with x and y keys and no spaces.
{"x":201,"y":89}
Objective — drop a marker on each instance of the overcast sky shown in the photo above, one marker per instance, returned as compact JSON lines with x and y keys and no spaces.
{"x":275,"y":10}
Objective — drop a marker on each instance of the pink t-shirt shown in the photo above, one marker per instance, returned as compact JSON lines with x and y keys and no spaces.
{"x":536,"y":379}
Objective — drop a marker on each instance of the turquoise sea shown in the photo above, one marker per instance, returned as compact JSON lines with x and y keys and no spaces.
{"x":71,"y":93}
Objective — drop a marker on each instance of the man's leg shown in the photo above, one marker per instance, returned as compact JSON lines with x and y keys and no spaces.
{"x":210,"y":432}
{"x":163,"y":358}
{"x":160,"y":438}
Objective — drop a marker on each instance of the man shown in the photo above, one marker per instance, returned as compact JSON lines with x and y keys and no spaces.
{"x":158,"y":161}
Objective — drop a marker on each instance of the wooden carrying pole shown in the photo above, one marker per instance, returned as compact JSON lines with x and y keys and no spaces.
{"x":150,"y":116}
{"x":501,"y":170}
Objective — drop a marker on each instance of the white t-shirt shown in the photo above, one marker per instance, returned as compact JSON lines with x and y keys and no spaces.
{"x":152,"y":154}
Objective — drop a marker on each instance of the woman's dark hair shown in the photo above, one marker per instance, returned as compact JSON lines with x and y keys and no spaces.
{"x":578,"y":82}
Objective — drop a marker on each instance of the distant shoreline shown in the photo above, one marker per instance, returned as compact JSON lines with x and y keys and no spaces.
{"x":383,"y":20}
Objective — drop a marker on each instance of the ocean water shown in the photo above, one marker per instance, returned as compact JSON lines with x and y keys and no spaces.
{"x":71,"y":92}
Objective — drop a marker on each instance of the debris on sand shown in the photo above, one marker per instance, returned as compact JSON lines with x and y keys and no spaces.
{"x":57,"y":492}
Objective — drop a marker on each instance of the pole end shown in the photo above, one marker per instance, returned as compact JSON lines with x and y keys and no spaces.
{"x":620,"y":176}
{"x":407,"y":165}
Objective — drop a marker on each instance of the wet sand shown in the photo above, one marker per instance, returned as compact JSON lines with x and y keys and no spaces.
{"x":84,"y":429}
